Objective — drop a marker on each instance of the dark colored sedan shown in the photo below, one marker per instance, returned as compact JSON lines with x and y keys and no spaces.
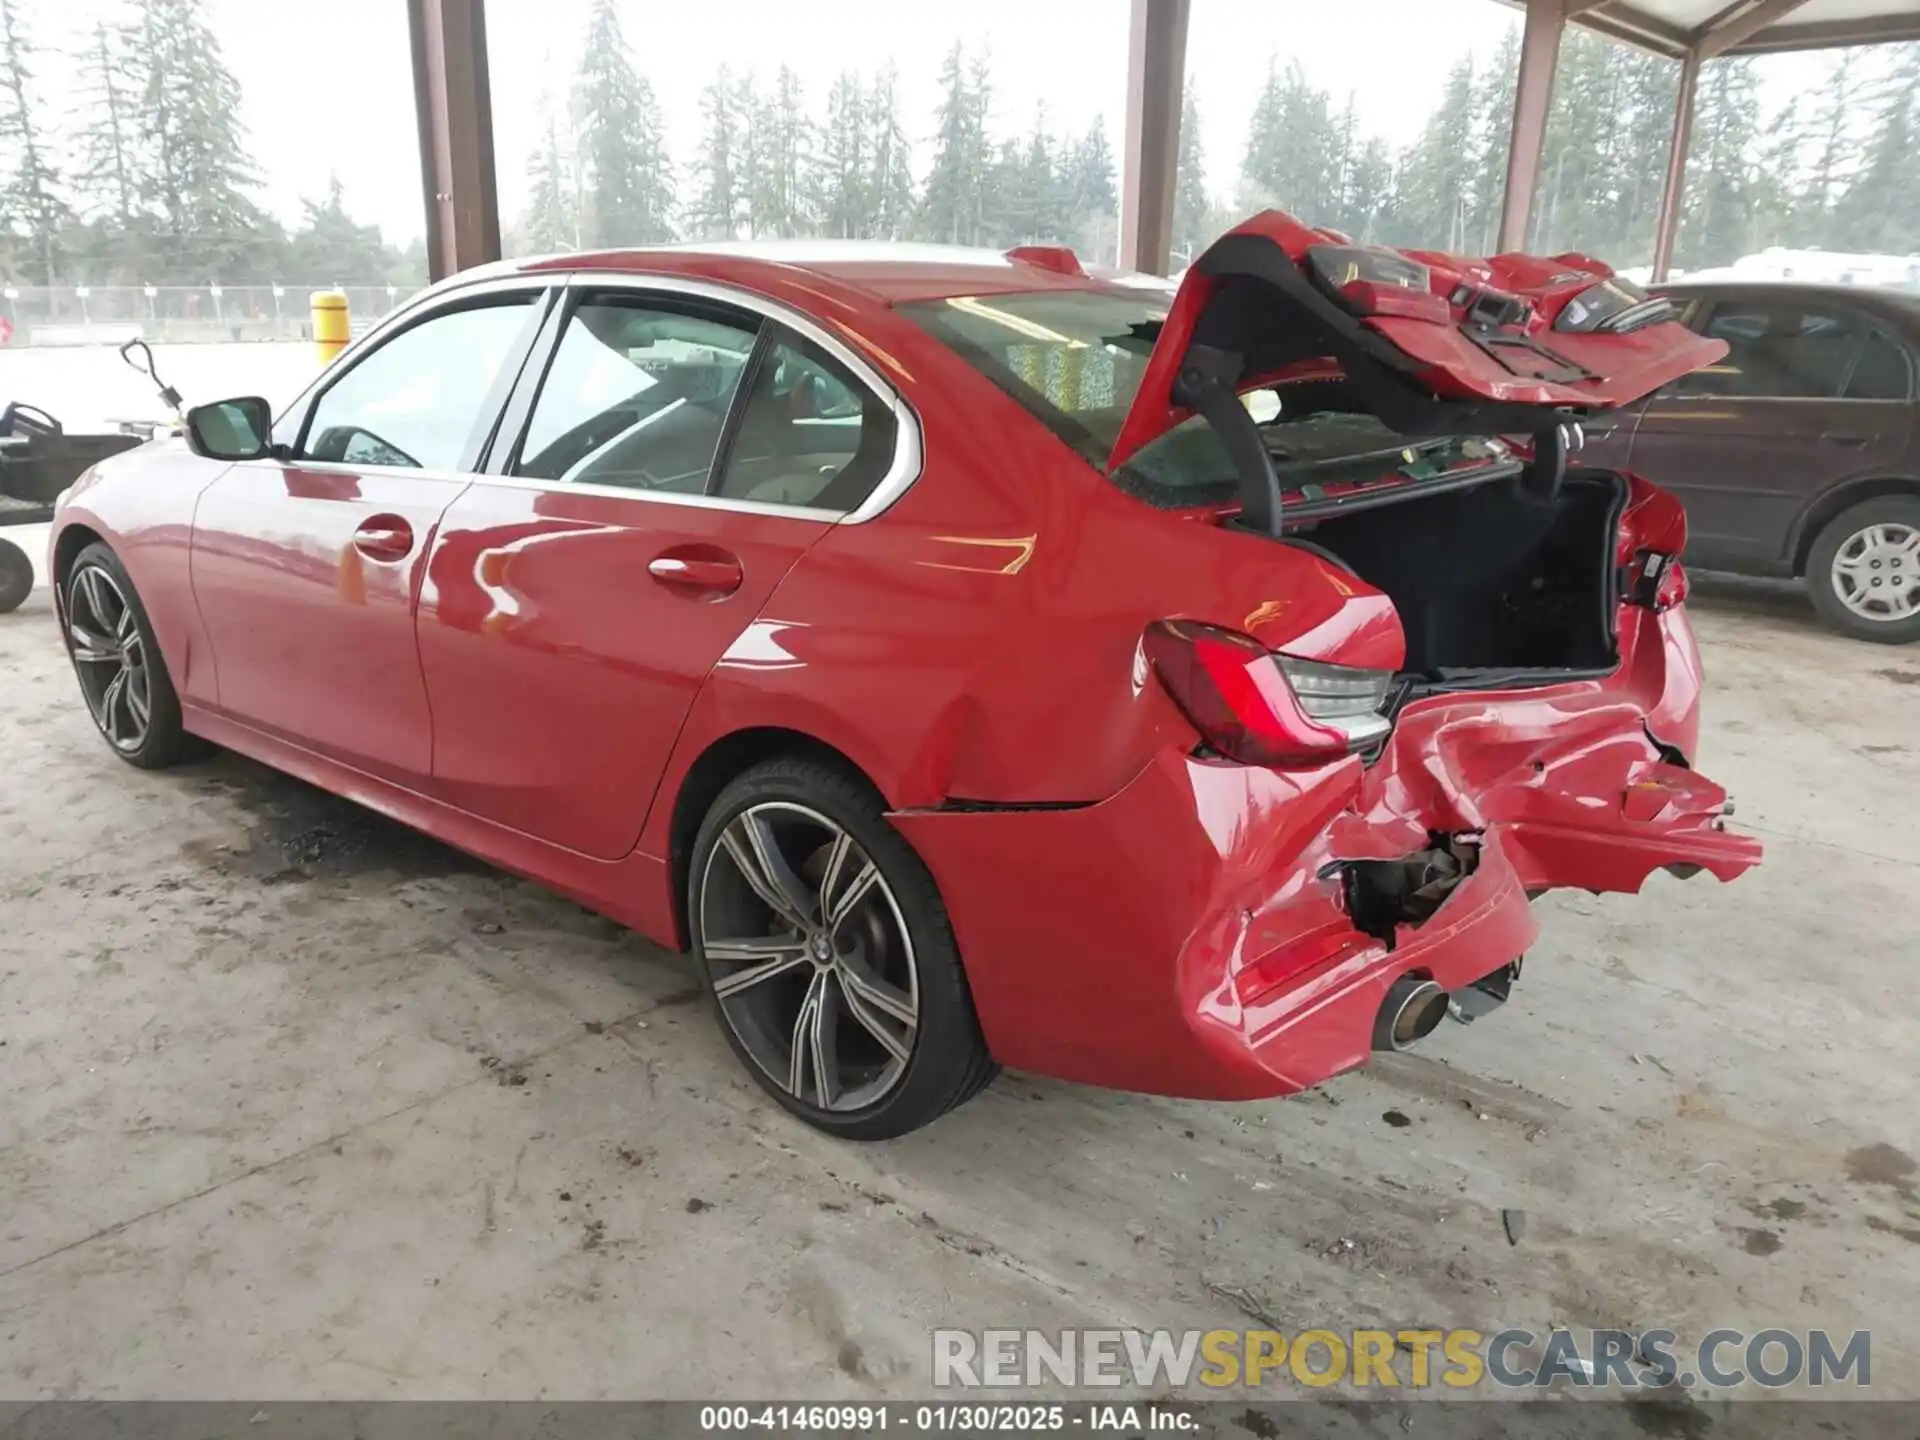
{"x":1797,"y":454}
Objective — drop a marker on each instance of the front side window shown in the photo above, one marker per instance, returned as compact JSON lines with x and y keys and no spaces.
{"x":1777,"y":351}
{"x":418,"y":401}
{"x":637,"y":395}
{"x":810,"y":435}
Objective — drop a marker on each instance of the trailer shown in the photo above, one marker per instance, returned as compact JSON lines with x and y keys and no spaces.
{"x":38,"y":460}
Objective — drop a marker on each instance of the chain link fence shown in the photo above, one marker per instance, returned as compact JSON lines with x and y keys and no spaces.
{"x":111,"y":314}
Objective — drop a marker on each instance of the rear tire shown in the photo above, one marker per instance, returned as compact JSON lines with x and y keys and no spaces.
{"x":123,"y":676}
{"x":826,"y":952}
{"x":1864,"y":570}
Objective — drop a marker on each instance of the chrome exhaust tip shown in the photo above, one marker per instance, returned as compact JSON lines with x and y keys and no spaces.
{"x":1413,"y":1007}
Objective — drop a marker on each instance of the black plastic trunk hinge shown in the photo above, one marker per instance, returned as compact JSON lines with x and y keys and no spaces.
{"x":1206,"y":383}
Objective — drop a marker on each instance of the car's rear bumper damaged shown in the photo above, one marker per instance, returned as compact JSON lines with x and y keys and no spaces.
{"x":1248,"y":926}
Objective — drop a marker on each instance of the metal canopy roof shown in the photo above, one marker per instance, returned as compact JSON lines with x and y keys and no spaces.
{"x":1747,"y":27}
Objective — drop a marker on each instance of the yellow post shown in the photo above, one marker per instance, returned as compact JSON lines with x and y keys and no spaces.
{"x":331,"y":323}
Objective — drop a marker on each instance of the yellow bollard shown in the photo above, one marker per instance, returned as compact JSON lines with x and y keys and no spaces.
{"x":331,"y":324}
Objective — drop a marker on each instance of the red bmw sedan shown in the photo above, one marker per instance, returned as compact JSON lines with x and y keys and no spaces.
{"x":971,"y":661}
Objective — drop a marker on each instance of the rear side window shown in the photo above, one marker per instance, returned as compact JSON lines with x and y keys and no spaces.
{"x":1883,"y":371}
{"x":637,"y":396}
{"x":810,"y":433}
{"x":1781,"y":351}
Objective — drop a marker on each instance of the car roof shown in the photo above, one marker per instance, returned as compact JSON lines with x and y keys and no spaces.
{"x":879,"y":270}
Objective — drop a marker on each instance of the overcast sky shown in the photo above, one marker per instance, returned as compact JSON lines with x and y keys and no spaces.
{"x":328,"y":83}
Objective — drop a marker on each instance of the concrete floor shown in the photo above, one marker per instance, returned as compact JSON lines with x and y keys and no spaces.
{"x":294,"y":1103}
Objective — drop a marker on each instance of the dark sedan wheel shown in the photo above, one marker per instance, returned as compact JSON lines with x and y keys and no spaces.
{"x":829,"y":956}
{"x":123,"y":678}
{"x":1864,"y":570}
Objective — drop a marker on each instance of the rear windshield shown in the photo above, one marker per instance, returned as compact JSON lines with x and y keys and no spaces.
{"x":1075,"y":360}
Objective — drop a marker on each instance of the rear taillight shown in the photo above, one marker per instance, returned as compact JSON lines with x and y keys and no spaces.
{"x":1260,"y":708}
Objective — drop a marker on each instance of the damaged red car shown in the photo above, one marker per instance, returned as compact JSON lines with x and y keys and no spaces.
{"x":970,"y":660}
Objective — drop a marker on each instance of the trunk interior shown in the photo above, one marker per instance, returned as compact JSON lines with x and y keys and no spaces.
{"x":1492,"y":578}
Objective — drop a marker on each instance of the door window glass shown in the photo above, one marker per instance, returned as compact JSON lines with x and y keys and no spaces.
{"x":1777,"y":351}
{"x":637,"y":396}
{"x":418,"y":400}
{"x":1882,"y":372}
{"x":810,"y":435}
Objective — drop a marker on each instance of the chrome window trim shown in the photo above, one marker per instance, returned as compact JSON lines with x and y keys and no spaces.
{"x":908,"y":450}
{"x":661,"y":497}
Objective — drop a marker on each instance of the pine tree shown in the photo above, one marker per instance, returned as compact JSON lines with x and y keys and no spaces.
{"x":1831,"y":149}
{"x":109,"y":160}
{"x":1190,"y":180}
{"x":890,"y":179}
{"x":331,"y":246}
{"x":788,"y":154}
{"x":754,"y":174}
{"x":196,"y":171}
{"x":1292,"y":156}
{"x":719,"y":204}
{"x":628,"y":177}
{"x":1716,"y":224}
{"x":843,"y":200}
{"x":1486,"y":180}
{"x":31,"y":192}
{"x":551,"y":221}
{"x":950,"y":206}
{"x":1092,"y":198}
{"x":1438,"y":173}
{"x":1880,"y":210}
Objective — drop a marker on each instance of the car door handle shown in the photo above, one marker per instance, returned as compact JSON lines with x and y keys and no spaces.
{"x":1848,"y":439}
{"x":703,"y":570}
{"x":384,"y":537}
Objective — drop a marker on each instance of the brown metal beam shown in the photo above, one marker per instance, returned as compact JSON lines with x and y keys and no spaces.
{"x":1532,"y":102}
{"x":1620,"y":21}
{"x":1828,"y":34}
{"x":1739,"y":23}
{"x":455,"y":105}
{"x":1156,"y":63}
{"x":1673,"y":191}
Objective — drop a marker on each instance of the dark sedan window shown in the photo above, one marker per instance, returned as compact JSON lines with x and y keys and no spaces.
{"x":1882,"y":371}
{"x":1777,"y":351}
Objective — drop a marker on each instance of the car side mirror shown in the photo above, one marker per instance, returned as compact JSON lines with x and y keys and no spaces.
{"x":239,"y":429}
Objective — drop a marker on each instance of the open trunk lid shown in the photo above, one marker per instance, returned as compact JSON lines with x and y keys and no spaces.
{"x":1430,"y":343}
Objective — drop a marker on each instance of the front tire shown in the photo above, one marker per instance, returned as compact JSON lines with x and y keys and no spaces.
{"x":123,"y":676}
{"x":1864,"y":570}
{"x":828,"y":955}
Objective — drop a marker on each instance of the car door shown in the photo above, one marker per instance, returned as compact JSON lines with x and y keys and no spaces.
{"x":307,"y":569}
{"x":676,"y":458}
{"x":1747,"y":444}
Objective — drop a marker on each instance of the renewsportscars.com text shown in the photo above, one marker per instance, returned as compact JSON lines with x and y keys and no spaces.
{"x":1398,"y":1359}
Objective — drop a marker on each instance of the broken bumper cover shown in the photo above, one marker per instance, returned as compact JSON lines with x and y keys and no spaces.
{"x":1190,"y":935}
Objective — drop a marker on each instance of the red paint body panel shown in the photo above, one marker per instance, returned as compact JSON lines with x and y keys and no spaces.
{"x":560,"y":669}
{"x":318,"y":633}
{"x":522,"y":686}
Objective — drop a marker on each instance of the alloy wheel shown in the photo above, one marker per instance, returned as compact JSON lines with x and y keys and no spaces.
{"x":1876,"y":572}
{"x":809,"y":956}
{"x":111,"y":657}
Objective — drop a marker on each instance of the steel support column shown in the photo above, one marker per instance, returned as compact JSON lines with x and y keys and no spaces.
{"x":1156,"y":64}
{"x":455,"y":105}
{"x":1675,"y":186}
{"x":1532,"y":102}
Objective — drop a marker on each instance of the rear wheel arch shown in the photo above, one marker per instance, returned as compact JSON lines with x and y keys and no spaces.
{"x":723,"y":760}
{"x":1835,"y":503}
